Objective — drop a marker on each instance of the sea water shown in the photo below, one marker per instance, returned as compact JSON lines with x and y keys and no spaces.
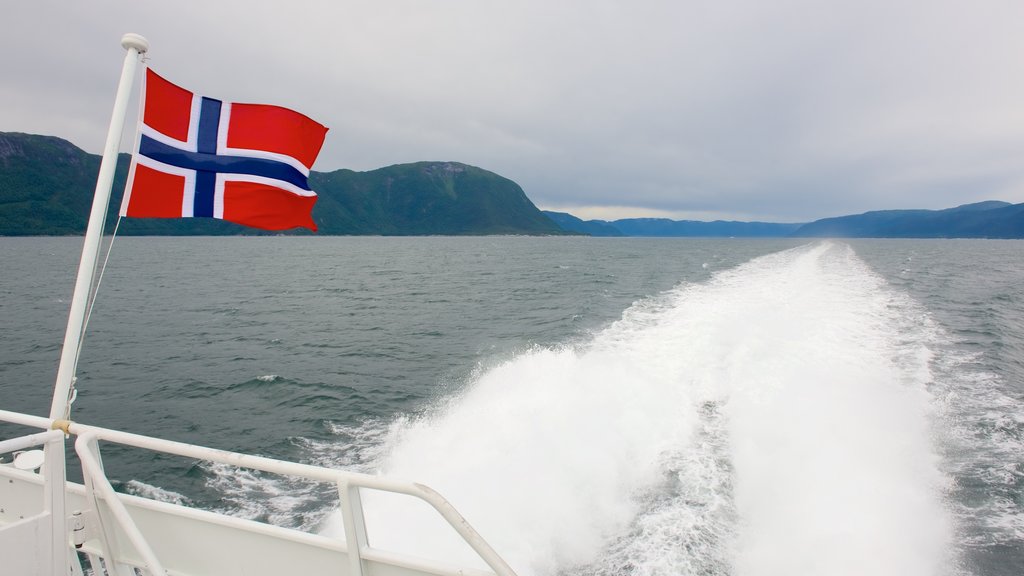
{"x":592,"y":406}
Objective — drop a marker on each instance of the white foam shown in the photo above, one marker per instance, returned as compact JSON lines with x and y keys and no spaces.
{"x":144,"y":490}
{"x":278,"y":500}
{"x":774,"y":420}
{"x":501,"y":451}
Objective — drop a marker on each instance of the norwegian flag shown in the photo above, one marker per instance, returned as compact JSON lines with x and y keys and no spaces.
{"x":200,"y":157}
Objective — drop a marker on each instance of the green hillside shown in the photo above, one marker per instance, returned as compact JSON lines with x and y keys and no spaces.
{"x":46,"y":188}
{"x":44,"y":185}
{"x":425,"y":198}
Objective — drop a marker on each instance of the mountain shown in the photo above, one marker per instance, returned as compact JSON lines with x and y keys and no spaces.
{"x":663,"y":227}
{"x":693,"y":228}
{"x":570,"y":223}
{"x":990,"y":219}
{"x":425,"y":198}
{"x":41,"y":184}
{"x":46,"y":188}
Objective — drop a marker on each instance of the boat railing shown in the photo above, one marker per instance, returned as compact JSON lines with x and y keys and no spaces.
{"x":127,"y":523}
{"x":30,"y":539}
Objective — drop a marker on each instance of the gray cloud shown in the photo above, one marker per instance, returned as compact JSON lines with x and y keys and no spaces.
{"x":789,"y":110}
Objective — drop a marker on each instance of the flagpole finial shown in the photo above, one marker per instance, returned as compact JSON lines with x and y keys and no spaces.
{"x":140,"y":44}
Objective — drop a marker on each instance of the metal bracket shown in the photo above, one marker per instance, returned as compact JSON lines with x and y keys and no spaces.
{"x":83,"y":526}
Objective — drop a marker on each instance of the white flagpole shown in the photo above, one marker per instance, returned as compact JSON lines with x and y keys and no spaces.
{"x":61,"y":407}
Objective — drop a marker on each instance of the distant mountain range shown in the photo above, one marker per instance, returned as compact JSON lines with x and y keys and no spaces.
{"x":989,"y":219}
{"x":46,"y":187}
{"x":663,"y":227}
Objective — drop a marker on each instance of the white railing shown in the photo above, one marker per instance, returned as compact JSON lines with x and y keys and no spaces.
{"x":121,"y":517}
{"x":37,"y":539}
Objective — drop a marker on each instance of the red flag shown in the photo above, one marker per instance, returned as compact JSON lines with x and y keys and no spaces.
{"x":200,"y":157}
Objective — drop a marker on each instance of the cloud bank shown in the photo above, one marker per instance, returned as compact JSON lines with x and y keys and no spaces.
{"x":785,"y":111}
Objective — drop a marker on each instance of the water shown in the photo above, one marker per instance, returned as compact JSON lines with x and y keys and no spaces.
{"x":593,"y":406}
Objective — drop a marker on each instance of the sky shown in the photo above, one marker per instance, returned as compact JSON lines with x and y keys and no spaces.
{"x":771,"y":110}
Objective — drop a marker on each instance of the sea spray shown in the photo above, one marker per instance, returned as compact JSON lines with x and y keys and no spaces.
{"x":773,"y":420}
{"x":544,"y":455}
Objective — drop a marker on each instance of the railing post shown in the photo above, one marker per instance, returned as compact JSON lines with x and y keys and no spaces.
{"x":355,"y":525}
{"x":54,"y":476}
{"x":87,"y":448}
{"x":107,"y":542}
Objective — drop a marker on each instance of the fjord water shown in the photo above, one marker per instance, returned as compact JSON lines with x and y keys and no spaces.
{"x":593,"y":406}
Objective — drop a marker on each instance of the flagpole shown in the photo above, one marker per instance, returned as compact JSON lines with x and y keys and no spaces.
{"x":60,"y":408}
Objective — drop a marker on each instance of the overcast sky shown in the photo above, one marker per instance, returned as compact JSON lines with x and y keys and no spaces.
{"x":777,"y":110}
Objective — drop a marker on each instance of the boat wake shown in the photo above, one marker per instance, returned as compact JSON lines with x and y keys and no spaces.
{"x":773,"y":420}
